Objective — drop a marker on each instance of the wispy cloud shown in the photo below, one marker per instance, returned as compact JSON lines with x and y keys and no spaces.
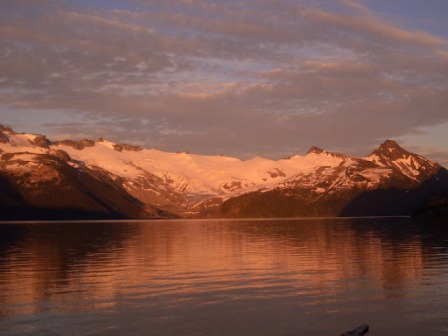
{"x":256,"y":77}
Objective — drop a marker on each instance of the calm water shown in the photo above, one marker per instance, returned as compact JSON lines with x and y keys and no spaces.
{"x":270,"y":277}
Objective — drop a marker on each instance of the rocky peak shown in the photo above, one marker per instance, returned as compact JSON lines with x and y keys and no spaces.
{"x":3,"y":137}
{"x":131,"y":148}
{"x":390,"y":146}
{"x":315,"y":150}
{"x":318,"y":151}
{"x":6,"y":129}
{"x":389,"y":153}
{"x":390,"y":150}
{"x":37,"y":140}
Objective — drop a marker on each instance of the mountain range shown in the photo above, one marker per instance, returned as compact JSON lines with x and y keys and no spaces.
{"x":85,"y":179}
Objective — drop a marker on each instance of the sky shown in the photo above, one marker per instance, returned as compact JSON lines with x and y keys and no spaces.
{"x":246,"y":78}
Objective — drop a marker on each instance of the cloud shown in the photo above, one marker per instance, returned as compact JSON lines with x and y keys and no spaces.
{"x":260,"y":77}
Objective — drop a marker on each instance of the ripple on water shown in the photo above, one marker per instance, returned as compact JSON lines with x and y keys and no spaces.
{"x":287,"y":277}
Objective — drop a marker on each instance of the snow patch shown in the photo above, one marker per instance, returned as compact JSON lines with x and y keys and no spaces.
{"x":408,"y":166}
{"x":10,"y":148}
{"x":105,"y":143}
{"x":21,"y":139}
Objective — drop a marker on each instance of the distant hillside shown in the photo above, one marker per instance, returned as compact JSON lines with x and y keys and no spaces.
{"x":86,"y":178}
{"x":434,"y":206}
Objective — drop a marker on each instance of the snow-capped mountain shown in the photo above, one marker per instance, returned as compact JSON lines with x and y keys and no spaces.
{"x":189,"y":185}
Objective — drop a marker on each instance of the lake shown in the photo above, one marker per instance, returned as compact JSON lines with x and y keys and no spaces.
{"x":224,"y":277}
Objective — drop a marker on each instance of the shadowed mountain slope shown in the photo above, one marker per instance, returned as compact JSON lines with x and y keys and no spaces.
{"x":101,"y":179}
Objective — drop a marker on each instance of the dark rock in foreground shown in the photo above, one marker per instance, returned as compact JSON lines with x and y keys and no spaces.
{"x":361,"y":330}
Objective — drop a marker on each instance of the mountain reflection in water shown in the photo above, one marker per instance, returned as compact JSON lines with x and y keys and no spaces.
{"x":218,"y":277}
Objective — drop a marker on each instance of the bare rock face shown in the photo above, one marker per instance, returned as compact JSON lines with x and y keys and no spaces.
{"x":315,"y":150}
{"x":59,"y":153}
{"x":3,"y":138}
{"x":118,"y":148}
{"x":390,"y":150}
{"x":3,"y":131}
{"x":79,"y":145}
{"x":130,"y":148}
{"x":41,"y":141}
{"x":318,"y":150}
{"x":6,"y":129}
{"x":126,"y":147}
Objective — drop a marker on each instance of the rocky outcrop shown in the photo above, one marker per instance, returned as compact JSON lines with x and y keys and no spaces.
{"x":79,"y":145}
{"x":360,"y":331}
{"x":318,"y":150}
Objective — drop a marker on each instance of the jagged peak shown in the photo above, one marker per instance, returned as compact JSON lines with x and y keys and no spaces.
{"x":416,"y":167}
{"x":6,"y":129}
{"x":315,"y":150}
{"x":319,"y":151}
{"x":390,"y":149}
{"x":8,"y":135}
{"x":131,"y":148}
{"x":40,"y":140}
{"x":390,"y":145}
{"x":83,"y":143}
{"x":5,"y":132}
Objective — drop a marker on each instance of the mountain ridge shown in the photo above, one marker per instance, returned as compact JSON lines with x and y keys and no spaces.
{"x":181,"y":184}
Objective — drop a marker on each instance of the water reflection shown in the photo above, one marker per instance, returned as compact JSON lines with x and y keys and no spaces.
{"x":45,"y":261}
{"x":222,"y":277}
